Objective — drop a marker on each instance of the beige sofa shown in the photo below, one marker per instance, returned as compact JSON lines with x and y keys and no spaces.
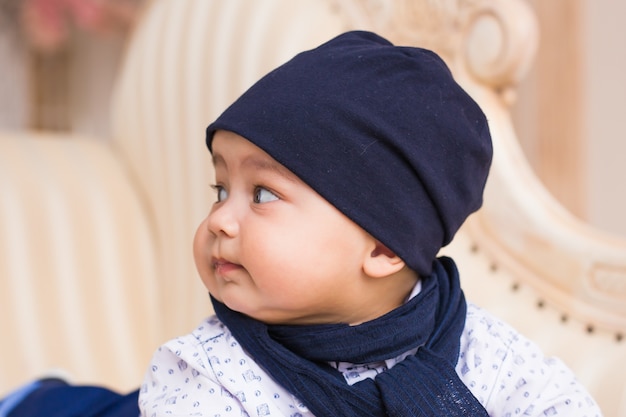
{"x":95,"y":237}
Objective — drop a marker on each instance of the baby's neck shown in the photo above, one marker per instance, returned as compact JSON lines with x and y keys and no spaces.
{"x":391,"y":292}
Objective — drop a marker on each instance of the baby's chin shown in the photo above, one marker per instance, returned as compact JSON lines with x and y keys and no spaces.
{"x":269,"y":316}
{"x":234,"y":303}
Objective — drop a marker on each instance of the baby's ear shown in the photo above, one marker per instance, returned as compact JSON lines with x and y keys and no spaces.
{"x":382,"y":262}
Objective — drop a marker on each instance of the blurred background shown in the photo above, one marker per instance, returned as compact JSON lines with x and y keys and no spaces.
{"x":58,"y":60}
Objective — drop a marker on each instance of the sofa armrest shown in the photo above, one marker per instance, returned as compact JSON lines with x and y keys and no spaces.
{"x":77,"y":263}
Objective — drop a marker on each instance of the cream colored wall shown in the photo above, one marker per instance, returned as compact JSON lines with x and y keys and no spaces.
{"x":570,"y":109}
{"x":605,"y":109}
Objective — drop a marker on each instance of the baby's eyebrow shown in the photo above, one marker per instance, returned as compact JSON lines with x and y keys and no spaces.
{"x":265,"y":164}
{"x":218,"y":160}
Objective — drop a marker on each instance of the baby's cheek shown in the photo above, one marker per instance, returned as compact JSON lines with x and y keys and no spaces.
{"x":205,"y":271}
{"x":202,"y":254}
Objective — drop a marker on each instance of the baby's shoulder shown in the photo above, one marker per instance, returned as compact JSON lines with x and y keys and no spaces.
{"x":508,"y":372}
{"x":207,"y":371}
{"x":491,"y":346}
{"x":484,"y":331}
{"x":207,"y":344}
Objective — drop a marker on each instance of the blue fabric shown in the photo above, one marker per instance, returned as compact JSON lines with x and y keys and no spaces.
{"x":55,"y":398}
{"x":9,"y":402}
{"x":425,"y":384}
{"x":383,"y":133}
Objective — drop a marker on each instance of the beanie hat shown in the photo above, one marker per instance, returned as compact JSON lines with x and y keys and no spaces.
{"x":383,"y":133}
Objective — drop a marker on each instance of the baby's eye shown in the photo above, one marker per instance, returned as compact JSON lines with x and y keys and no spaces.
{"x":263,"y":195}
{"x":222,"y":194}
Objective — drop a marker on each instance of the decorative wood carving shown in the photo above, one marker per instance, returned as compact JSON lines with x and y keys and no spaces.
{"x":492,"y":41}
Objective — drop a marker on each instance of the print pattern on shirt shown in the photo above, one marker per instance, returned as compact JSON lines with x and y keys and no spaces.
{"x":207,"y":374}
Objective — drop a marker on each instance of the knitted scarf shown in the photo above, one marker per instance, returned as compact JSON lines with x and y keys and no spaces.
{"x":424,"y":384}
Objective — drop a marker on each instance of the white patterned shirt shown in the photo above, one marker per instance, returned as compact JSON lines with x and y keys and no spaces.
{"x":208,"y":374}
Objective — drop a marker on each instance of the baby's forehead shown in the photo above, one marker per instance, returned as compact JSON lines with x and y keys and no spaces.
{"x":230,"y":148}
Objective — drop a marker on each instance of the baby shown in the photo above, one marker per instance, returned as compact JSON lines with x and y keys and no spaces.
{"x":339,"y":177}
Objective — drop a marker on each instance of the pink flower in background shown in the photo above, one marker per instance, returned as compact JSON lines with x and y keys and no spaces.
{"x":48,"y":23}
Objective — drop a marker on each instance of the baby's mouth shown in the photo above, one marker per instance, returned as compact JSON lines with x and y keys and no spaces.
{"x":223,"y":267}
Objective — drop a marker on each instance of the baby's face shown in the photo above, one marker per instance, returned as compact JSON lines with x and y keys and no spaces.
{"x":274,"y":249}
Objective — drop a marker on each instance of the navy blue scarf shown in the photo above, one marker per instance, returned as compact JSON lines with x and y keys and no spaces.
{"x":425,"y":384}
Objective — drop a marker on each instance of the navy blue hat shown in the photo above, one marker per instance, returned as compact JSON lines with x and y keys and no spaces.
{"x":383,"y":133}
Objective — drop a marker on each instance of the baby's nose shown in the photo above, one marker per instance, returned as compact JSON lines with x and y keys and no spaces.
{"x":223,"y":221}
